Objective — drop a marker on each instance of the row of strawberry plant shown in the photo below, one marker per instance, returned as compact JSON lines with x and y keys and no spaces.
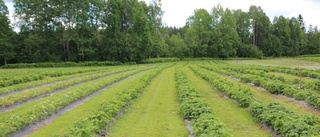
{"x":240,"y":93}
{"x":22,"y":86}
{"x":194,"y":108}
{"x":294,"y":71}
{"x":274,"y":86}
{"x":32,"y":112}
{"x":283,"y":121}
{"x":297,"y":71}
{"x":13,"y":79}
{"x":107,"y":111}
{"x":23,"y":96}
{"x":66,"y":64}
{"x":305,"y":83}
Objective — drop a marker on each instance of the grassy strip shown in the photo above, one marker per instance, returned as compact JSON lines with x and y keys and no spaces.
{"x":96,"y":123}
{"x":196,"y":109}
{"x":86,"y":109}
{"x":23,"y":96}
{"x":237,"y":119}
{"x":280,"y":119}
{"x":154,"y":113}
{"x":34,"y":111}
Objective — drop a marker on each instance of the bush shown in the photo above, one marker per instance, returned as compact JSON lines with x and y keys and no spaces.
{"x":249,"y":50}
{"x":159,"y":60}
{"x":65,"y":64}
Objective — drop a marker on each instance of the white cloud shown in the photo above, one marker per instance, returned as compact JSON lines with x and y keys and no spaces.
{"x":177,"y":11}
{"x":9,"y":4}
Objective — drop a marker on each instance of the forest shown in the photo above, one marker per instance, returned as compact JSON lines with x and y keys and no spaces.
{"x":132,"y":30}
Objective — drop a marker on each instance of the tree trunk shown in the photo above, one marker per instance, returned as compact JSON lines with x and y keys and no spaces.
{"x":65,"y":52}
{"x":68,"y":50}
{"x":5,"y":61}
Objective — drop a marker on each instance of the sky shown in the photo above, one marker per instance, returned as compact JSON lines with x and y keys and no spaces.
{"x":177,"y":11}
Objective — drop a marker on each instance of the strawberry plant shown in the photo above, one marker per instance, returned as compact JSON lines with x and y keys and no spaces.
{"x":194,"y":108}
{"x":96,"y":123}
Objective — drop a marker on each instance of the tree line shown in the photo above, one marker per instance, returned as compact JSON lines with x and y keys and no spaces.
{"x":131,"y":31}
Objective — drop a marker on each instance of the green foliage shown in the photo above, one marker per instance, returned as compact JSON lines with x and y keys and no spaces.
{"x":177,"y":47}
{"x":20,"y":118}
{"x":235,"y":91}
{"x":24,"y":77}
{"x":132,"y":31}
{"x":65,"y":64}
{"x":243,"y":26}
{"x":6,"y":34}
{"x":314,"y":57}
{"x":208,"y":125}
{"x":130,"y":38}
{"x":290,"y":34}
{"x":272,"y":83}
{"x":107,"y":111}
{"x":313,"y":40}
{"x":24,"y":96}
{"x":285,"y":122}
{"x":229,"y":39}
{"x":249,"y":50}
{"x":22,"y":86}
{"x":199,"y":33}
{"x":159,"y":60}
{"x":261,"y":26}
{"x":193,"y":107}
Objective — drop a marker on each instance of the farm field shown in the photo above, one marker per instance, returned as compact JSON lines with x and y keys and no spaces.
{"x":288,"y":62}
{"x":188,"y":98}
{"x":314,"y":58}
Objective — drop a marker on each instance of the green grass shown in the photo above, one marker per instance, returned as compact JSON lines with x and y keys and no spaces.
{"x":235,"y":118}
{"x":88,"y":108}
{"x":155,"y":113}
{"x":315,"y":58}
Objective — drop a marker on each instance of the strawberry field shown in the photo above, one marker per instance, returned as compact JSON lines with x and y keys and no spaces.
{"x":180,"y":99}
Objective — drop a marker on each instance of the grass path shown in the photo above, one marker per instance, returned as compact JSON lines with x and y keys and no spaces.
{"x":238,"y":119}
{"x":54,"y":128}
{"x":155,"y":113}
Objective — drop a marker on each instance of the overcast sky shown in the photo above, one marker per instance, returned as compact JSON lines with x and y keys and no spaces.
{"x":177,"y":11}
